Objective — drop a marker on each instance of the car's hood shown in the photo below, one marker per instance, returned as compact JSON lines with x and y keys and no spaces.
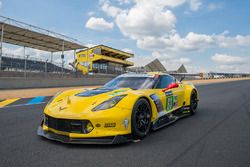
{"x":76,"y":104}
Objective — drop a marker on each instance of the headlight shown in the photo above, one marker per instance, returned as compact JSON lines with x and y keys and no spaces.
{"x":109,"y":103}
{"x":57,"y":94}
{"x":89,"y":127}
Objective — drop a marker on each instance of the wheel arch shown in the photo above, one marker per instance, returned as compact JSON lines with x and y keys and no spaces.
{"x":135,"y":131}
{"x":188,"y":91}
{"x":151,"y":104}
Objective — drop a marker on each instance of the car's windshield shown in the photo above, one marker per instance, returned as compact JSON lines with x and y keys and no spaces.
{"x":133,"y":82}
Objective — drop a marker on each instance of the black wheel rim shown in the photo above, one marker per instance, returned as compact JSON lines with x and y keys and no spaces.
{"x":142,"y":118}
{"x":194,"y":102}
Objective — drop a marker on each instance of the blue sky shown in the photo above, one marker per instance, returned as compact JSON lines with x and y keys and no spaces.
{"x":205,"y":35}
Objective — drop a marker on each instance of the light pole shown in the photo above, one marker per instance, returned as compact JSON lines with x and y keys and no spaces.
{"x":51,"y":57}
{"x":46,"y":68}
{"x":1,"y":50}
{"x":62,"y":56}
{"x":25,"y":65}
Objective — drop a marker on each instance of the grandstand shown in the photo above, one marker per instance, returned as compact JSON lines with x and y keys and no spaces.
{"x":28,"y":36}
{"x":14,"y":63}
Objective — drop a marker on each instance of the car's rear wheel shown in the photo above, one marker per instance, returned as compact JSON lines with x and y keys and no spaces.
{"x":193,"y":102}
{"x":141,"y":119}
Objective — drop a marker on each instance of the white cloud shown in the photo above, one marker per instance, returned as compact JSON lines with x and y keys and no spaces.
{"x":152,"y":24}
{"x":229,"y":63}
{"x":170,"y":62}
{"x":145,"y":20}
{"x":91,"y":13}
{"x":238,"y":40}
{"x":98,"y":24}
{"x":109,"y":9}
{"x":192,"y":42}
{"x":122,"y":2}
{"x":143,"y":60}
{"x":184,"y":60}
{"x":146,"y":17}
{"x":214,"y":6}
{"x":127,"y":50}
{"x":227,"y":59}
{"x":90,"y":45}
{"x":160,"y":3}
{"x":195,"y":4}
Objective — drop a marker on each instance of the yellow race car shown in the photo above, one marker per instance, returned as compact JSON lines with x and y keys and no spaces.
{"x":124,"y":109}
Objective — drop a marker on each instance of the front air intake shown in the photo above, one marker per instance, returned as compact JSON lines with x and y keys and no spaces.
{"x":67,"y":125}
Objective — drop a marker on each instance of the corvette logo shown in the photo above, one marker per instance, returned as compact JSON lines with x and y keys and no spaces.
{"x":62,"y":108}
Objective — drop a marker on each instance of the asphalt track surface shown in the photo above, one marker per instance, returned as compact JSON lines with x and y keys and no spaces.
{"x":218,"y":135}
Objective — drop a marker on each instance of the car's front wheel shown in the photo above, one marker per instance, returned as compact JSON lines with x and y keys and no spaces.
{"x":141,"y":119}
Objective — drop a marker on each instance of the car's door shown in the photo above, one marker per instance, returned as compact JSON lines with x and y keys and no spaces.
{"x":172,"y":98}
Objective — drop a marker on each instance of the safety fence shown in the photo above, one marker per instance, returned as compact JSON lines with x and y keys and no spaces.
{"x":20,"y":64}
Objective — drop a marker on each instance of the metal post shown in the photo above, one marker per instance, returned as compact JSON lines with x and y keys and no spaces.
{"x":25,"y":61}
{"x":51,"y":57}
{"x":1,"y":54}
{"x":26,"y":58}
{"x":62,"y":56}
{"x":74,"y":55}
{"x":74,"y":64}
{"x":46,"y":68}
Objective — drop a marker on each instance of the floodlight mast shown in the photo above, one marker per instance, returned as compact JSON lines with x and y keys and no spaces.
{"x":62,"y":56}
{"x":1,"y":50}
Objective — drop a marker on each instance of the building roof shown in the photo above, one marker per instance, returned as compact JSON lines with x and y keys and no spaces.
{"x":111,"y":52}
{"x":22,"y":34}
{"x":182,"y":69}
{"x":155,"y":65}
{"x":119,"y":61}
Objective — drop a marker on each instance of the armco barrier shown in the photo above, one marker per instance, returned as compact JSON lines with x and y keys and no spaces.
{"x":20,"y":83}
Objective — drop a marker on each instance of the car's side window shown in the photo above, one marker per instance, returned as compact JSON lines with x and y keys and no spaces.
{"x":165,"y":80}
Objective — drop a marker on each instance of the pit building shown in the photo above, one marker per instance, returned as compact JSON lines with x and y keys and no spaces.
{"x":103,"y":59}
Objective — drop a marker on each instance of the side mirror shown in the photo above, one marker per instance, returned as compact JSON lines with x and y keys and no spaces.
{"x":182,"y":79}
{"x":171,"y":86}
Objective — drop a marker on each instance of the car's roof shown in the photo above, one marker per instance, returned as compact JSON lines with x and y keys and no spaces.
{"x":148,"y":74}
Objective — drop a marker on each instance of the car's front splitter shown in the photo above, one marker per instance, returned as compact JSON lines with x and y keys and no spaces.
{"x":98,"y":140}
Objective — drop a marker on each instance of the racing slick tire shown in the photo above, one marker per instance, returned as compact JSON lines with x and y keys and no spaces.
{"x":141,"y":119}
{"x":193,"y":103}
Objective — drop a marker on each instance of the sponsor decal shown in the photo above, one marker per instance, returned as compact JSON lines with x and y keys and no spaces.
{"x":172,"y":102}
{"x":117,"y":92}
{"x":157,"y":102}
{"x":110,"y":125}
{"x":186,"y":108}
{"x":175,"y":101}
{"x":168,"y":93}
